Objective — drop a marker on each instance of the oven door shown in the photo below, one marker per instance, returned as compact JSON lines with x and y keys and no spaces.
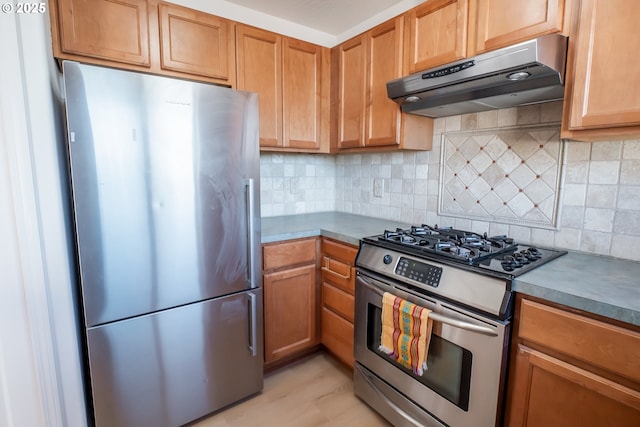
{"x":463,"y":384}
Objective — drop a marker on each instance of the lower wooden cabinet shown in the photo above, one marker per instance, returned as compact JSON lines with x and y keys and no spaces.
{"x":290,"y":299}
{"x":338,"y":286}
{"x":570,"y":370}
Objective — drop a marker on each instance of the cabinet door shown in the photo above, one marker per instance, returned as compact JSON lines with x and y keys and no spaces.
{"x":260,"y":70}
{"x":196,"y":43}
{"x":437,"y":34}
{"x":105,"y":29}
{"x":549,"y":392}
{"x":384,"y":62}
{"x":352,"y":93}
{"x":302,"y":89}
{"x":289,"y":311}
{"x":606,"y":73}
{"x":504,"y":22}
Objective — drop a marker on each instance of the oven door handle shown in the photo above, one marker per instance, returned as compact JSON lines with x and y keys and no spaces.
{"x":437,"y":317}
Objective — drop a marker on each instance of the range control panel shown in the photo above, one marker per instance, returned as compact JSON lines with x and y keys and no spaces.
{"x":419,"y":271}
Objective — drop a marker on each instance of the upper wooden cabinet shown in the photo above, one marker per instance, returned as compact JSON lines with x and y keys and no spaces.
{"x":365,"y":117}
{"x":145,"y":35}
{"x":602,"y":98}
{"x":436,"y":34}
{"x":352,"y":87}
{"x":499,"y":23}
{"x":291,"y":78}
{"x":305,"y":90}
{"x":196,"y":43}
{"x":116,"y":31}
{"x":259,"y":70}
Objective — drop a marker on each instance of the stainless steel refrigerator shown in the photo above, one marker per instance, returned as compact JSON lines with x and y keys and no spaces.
{"x":164,"y":177}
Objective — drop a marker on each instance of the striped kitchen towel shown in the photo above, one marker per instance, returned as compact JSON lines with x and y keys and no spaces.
{"x":406,"y":332}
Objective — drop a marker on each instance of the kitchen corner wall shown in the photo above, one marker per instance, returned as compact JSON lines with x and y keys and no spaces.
{"x":597,"y":192}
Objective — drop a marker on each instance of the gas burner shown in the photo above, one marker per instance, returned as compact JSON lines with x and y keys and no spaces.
{"x":423,"y":230}
{"x":399,"y":236}
{"x":451,"y":249}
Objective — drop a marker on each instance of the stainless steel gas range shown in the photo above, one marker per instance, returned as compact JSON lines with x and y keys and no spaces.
{"x":465,"y":279}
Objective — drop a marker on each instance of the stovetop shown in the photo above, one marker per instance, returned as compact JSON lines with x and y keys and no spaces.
{"x":497,"y":255}
{"x":462,"y":267}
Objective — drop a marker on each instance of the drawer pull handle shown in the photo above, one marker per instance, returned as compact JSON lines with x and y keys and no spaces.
{"x":325,"y":267}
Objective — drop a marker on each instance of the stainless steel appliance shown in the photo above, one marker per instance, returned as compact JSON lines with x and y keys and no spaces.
{"x":465,"y":279}
{"x":164,"y":177}
{"x":526,"y":73}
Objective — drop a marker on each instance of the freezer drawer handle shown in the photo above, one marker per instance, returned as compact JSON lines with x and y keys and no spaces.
{"x":253,"y":337}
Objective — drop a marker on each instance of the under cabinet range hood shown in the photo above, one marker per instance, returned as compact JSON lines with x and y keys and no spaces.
{"x":527,"y":73}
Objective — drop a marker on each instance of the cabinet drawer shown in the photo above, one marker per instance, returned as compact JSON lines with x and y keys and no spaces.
{"x":289,"y":253}
{"x":338,"y":301}
{"x":600,"y":344}
{"x":339,"y":251}
{"x":337,"y":336}
{"x":337,"y":265}
{"x":339,"y":274}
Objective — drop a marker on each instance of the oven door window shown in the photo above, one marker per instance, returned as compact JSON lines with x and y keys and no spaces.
{"x":449,"y":365}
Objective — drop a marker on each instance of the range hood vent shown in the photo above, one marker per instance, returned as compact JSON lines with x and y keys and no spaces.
{"x":527,"y":73}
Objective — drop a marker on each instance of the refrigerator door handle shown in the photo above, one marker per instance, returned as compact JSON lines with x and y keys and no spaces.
{"x":250,"y":231}
{"x":253,"y":319}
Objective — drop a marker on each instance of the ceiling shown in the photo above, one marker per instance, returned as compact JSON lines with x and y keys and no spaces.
{"x":333,"y":17}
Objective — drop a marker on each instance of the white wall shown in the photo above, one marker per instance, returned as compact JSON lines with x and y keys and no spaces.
{"x":40,"y":375}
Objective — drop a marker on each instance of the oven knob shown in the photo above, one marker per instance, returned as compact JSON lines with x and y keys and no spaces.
{"x":387,"y":259}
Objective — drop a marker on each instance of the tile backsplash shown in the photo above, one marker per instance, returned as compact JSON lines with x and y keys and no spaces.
{"x":508,"y":175}
{"x":598,"y":193}
{"x":297,"y":183}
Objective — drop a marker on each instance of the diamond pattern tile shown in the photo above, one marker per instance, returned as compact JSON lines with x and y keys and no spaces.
{"x":502,"y":175}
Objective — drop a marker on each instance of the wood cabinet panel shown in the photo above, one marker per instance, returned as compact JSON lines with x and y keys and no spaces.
{"x":352,"y":93}
{"x":338,"y":273}
{"x":289,"y":253}
{"x":302,"y":93}
{"x":337,"y":336}
{"x":338,"y":261}
{"x":196,"y":43}
{"x":145,"y":35}
{"x":289,"y":311}
{"x":288,"y":76}
{"x":550,"y":392}
{"x":106,"y":29}
{"x":597,"y":343}
{"x":338,"y":288}
{"x":501,"y":23}
{"x":383,"y":117}
{"x":437,"y":34}
{"x":260,"y":70}
{"x":338,"y":301}
{"x":568,"y":369}
{"x":339,"y":250}
{"x":603,"y":97}
{"x":366,"y":118}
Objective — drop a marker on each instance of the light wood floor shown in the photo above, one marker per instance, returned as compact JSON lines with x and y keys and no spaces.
{"x":316,"y":391}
